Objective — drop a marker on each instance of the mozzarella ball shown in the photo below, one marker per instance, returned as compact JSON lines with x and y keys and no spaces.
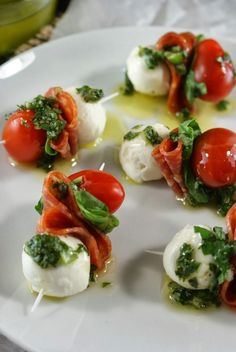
{"x":203,"y":274}
{"x":154,"y":81}
{"x":91,"y":116}
{"x":136,"y":159}
{"x":63,"y":280}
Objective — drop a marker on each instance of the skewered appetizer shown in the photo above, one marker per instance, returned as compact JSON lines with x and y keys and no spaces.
{"x":136,"y":152}
{"x":54,"y":124}
{"x":183,"y":67}
{"x":71,"y":241}
{"x":199,"y":167}
{"x":200,"y":262}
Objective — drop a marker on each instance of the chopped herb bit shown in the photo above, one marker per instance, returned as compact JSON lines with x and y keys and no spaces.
{"x":93,"y":274}
{"x":25,"y":123}
{"x":46,"y":162}
{"x":128,"y":88}
{"x":95,"y":211}
{"x":49,"y":251}
{"x":200,"y":37}
{"x":181,"y":69}
{"x":46,"y":115}
{"x":225,"y":197}
{"x":90,"y":95}
{"x":215,"y":242}
{"x":199,"y":299}
{"x":224,"y":58}
{"x":193,"y":282}
{"x":175,"y":58}
{"x":151,"y":57}
{"x":106,"y":283}
{"x":185,"y":264}
{"x":222,"y":105}
{"x":39,"y":206}
{"x":131,"y":135}
{"x":62,"y":189}
{"x":183,"y":114}
{"x":151,"y":135}
{"x":194,"y":89}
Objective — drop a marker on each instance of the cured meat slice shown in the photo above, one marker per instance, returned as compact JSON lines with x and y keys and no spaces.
{"x":168,"y":155}
{"x":66,"y":144}
{"x":176,"y":97}
{"x":61,"y":216}
{"x":228,"y":289}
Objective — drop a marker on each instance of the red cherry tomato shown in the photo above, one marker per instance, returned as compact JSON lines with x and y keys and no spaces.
{"x":214,"y":157}
{"x":215,"y":69}
{"x":23,"y":141}
{"x":103,"y":186}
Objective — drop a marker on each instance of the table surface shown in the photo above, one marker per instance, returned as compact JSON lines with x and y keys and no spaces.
{"x":184,"y":13}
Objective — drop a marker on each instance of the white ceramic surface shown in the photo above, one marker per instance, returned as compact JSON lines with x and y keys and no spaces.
{"x":132,"y":314}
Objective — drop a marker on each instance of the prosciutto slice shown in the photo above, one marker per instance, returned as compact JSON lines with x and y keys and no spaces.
{"x":67,"y":142}
{"x":61,"y":216}
{"x":228,"y":289}
{"x":176,"y":97}
{"x":168,"y":155}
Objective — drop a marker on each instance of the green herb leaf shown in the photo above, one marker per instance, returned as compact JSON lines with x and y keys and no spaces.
{"x":151,"y":136}
{"x":183,"y":114}
{"x":222,"y":105}
{"x":48,"y":149}
{"x":93,"y":274}
{"x":128,"y":88}
{"x":200,"y":37}
{"x":225,"y":197}
{"x":90,"y":95}
{"x":39,"y":206}
{"x":46,"y":115}
{"x":185,"y":264}
{"x":131,"y":135}
{"x":199,"y":299}
{"x":197,"y":191}
{"x":193,"y":89}
{"x":49,"y":251}
{"x":46,"y":162}
{"x":216,"y":243}
{"x":95,"y":211}
{"x":188,"y":131}
{"x":106,"y":283}
{"x":151,"y":57}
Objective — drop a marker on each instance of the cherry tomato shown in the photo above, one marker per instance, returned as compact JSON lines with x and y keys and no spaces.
{"x":214,"y":157}
{"x":22,"y":140}
{"x":103,"y":186}
{"x":213,"y":67}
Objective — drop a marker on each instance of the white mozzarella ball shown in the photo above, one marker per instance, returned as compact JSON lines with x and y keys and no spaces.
{"x":147,"y":81}
{"x":91,"y":116}
{"x":63,"y":280}
{"x":203,"y":274}
{"x":136,"y":159}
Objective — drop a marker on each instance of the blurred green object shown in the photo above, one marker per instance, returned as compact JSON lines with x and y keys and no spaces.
{"x":22,"y":19}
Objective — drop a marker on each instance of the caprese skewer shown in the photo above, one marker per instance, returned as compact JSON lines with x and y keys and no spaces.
{"x":182,"y":66}
{"x":71,"y":241}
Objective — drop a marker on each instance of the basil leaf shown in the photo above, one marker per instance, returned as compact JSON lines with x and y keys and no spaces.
{"x":131,"y":135}
{"x":95,"y":211}
{"x":197,"y":192}
{"x":128,"y":88}
{"x":151,"y":57}
{"x":188,"y":131}
{"x":39,"y":206}
{"x":48,"y":149}
{"x":193,"y":89}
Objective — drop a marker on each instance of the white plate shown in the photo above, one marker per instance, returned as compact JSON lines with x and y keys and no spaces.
{"x":132,"y":314}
